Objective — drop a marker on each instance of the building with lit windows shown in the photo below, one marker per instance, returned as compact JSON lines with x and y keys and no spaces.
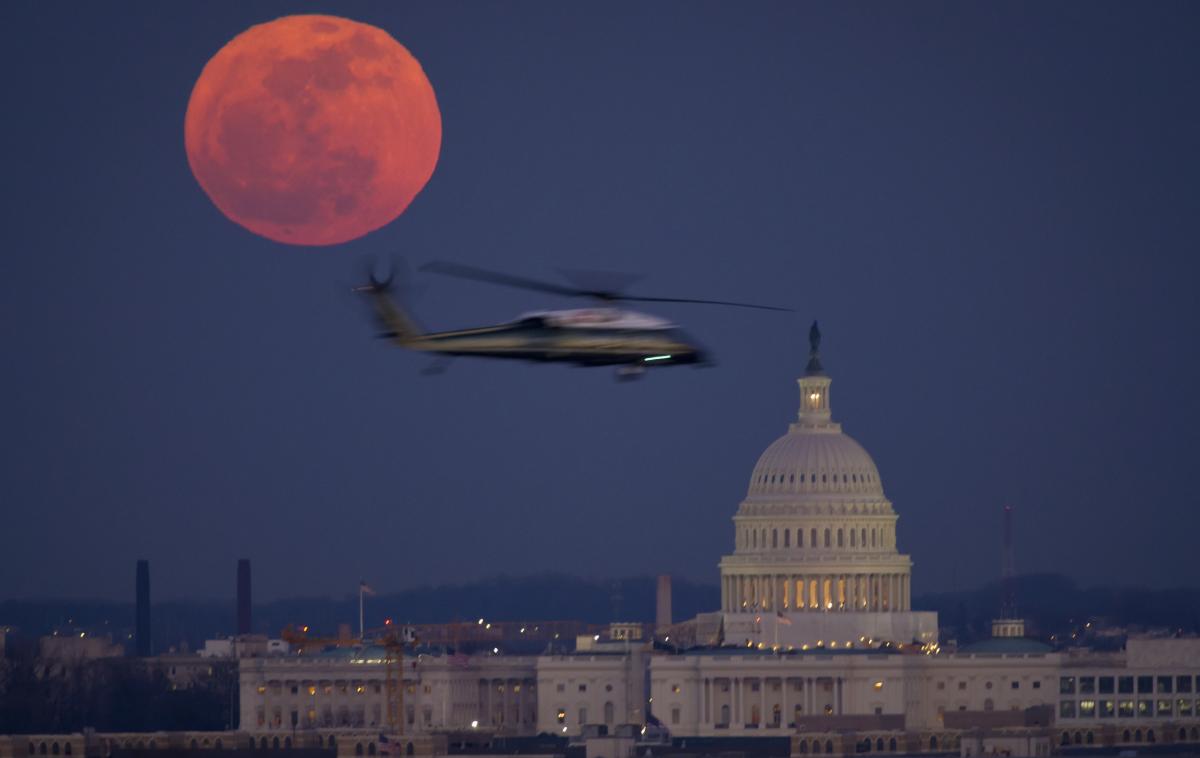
{"x":815,"y":642}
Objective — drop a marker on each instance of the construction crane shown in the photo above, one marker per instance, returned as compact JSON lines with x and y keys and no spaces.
{"x":391,"y":639}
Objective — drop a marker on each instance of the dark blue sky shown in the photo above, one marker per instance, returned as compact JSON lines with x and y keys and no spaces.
{"x":991,"y":207}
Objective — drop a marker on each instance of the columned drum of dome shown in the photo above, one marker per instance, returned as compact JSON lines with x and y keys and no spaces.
{"x":815,"y":560}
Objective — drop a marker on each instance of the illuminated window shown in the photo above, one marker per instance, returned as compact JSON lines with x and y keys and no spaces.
{"x":1145,"y":708}
{"x":1164,"y":708}
{"x":878,"y":686}
{"x":312,"y":689}
{"x":262,"y":689}
{"x":1087,"y":709}
{"x":1125,"y":709}
{"x":1106,"y":709}
{"x":675,"y":688}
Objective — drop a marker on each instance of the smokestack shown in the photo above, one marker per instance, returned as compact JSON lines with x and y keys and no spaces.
{"x":243,"y":596}
{"x":662,"y":607}
{"x":1008,"y":605}
{"x":142,"y":620}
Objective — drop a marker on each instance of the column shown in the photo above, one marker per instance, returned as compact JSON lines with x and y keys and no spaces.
{"x":785,"y":714}
{"x":733,"y":701}
{"x":505,"y":704}
{"x":762,"y":702}
{"x":907,"y":590}
{"x":707,"y":707}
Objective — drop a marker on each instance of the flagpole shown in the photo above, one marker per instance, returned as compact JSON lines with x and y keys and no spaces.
{"x":360,"y":611}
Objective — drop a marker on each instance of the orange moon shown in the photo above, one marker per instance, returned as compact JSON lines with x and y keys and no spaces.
{"x":312,"y":130}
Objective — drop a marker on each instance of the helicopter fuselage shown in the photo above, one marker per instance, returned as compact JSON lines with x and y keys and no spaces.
{"x":584,"y":337}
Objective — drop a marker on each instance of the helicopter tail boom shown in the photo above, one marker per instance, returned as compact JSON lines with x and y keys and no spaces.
{"x":394,"y":320}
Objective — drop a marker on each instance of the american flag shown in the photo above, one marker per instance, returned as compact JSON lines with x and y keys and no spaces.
{"x":780,"y":618}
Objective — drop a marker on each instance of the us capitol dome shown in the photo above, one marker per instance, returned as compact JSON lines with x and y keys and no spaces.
{"x":815,"y":559}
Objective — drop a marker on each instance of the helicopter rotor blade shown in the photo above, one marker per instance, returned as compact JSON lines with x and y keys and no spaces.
{"x":756,"y":306}
{"x":463,"y":271}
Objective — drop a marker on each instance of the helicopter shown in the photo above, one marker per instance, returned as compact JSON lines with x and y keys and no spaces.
{"x":599,"y":336}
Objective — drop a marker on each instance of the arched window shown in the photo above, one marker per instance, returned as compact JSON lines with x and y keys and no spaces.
{"x":1066,"y":738}
{"x":803,"y":744}
{"x":1089,"y":738}
{"x":1124,"y":736}
{"x":1137,"y":735}
{"x":1150,"y":735}
{"x":287,"y":743}
{"x":54,"y":748}
{"x":879,"y":744}
{"x":42,"y":749}
{"x":829,"y":746}
{"x":787,"y":537}
{"x":66,"y":748}
{"x":195,"y":745}
{"x":263,"y":744}
{"x":892,"y":744}
{"x":1182,"y":735}
{"x":841,"y":539}
{"x":816,"y":746}
{"x":774,"y":538}
{"x":217,"y":745}
{"x":358,"y":749}
{"x":1078,"y":738}
{"x":370,"y":748}
{"x":275,"y":745}
{"x":865,"y":745}
{"x":827,"y":537}
{"x":933,"y":742}
{"x":408,"y":749}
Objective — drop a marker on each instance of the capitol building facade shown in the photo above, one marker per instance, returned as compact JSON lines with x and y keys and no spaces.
{"x":815,"y":553}
{"x":815,"y":641}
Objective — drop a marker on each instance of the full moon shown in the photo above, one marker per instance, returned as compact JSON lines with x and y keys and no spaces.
{"x":312,"y":130}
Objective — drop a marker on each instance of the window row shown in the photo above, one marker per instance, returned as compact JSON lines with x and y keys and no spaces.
{"x":774,"y":539}
{"x":1145,"y":684}
{"x":1128,"y":709}
{"x":777,"y":478}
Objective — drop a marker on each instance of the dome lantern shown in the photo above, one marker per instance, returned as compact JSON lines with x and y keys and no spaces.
{"x":815,"y":410}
